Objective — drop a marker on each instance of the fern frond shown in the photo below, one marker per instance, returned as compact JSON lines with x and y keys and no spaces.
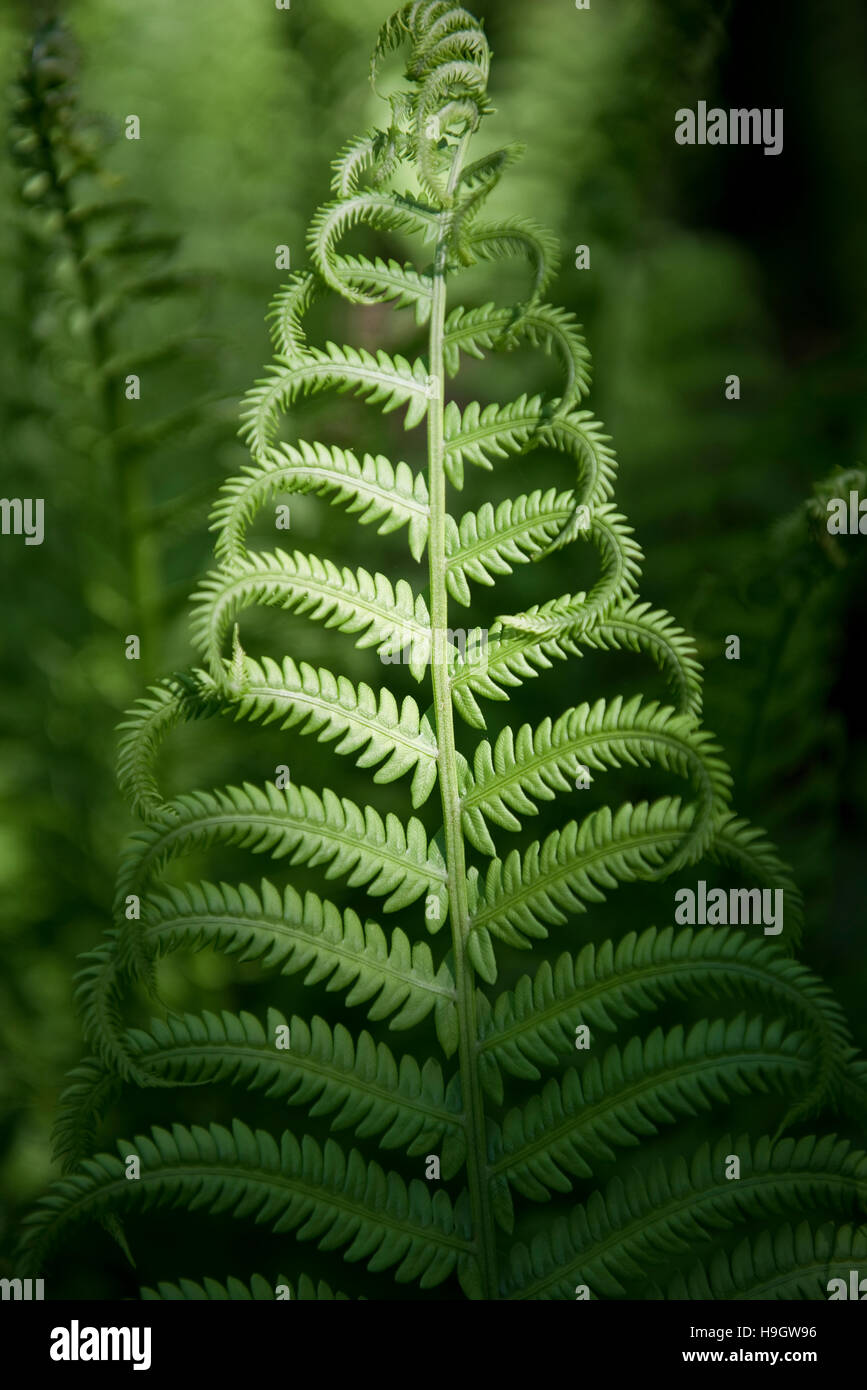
{"x":637,"y":627}
{"x":376,"y":489}
{"x":386,"y":212}
{"x":487,"y":543}
{"x":636,"y":1224}
{"x":788,"y":1039}
{"x":390,"y":281}
{"x":536,"y":764}
{"x":374,"y":154}
{"x":481,"y":178}
{"x":514,"y":655}
{"x":509,"y":660}
{"x":394,"y":978}
{"x":787,"y":1263}
{"x":454,"y":31}
{"x":287,"y":311}
{"x":356,"y":602}
{"x":748,"y":848}
{"x":523,"y":896}
{"x":628,"y":1094}
{"x":380,"y":379}
{"x":383,"y":856}
{"x":518,"y":236}
{"x":358,"y":1084}
{"x":365,"y":722}
{"x":533,"y":1025}
{"x":473,"y":331}
{"x":480,"y":435}
{"x":181,"y":697}
{"x":621,"y":570}
{"x":575,"y":432}
{"x":322,"y":1194}
{"x":85,"y":1100}
{"x":100,"y":981}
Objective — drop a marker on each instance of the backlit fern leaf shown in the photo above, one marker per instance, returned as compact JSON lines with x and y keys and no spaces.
{"x":467,"y":1119}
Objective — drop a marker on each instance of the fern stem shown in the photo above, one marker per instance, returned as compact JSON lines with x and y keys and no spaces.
{"x":459,"y":913}
{"x":135,"y":551}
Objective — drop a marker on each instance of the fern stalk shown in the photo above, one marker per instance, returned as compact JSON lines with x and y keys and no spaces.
{"x":459,"y":909}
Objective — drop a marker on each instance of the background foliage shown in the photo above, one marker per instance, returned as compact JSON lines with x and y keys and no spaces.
{"x":703,"y":263}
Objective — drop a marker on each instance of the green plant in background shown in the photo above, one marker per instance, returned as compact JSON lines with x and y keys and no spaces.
{"x":88,"y":262}
{"x":793,"y":747}
{"x":99,"y":299}
{"x":489,"y":1211}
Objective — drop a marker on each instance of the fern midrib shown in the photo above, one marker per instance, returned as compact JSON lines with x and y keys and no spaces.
{"x":670,"y":1075}
{"x":459,"y":914}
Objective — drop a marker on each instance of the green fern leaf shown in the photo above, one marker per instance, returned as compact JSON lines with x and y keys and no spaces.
{"x":380,"y":380}
{"x":635,"y":1224}
{"x":486,"y":543}
{"x":376,"y":490}
{"x":473,"y":331}
{"x":479,"y":435}
{"x":404,"y":1105}
{"x":787,"y":1042}
{"x":782,"y":1264}
{"x":523,"y":896}
{"x":321,"y":1193}
{"x":536,"y":764}
{"x":382,"y":855}
{"x":533,"y":1026}
{"x":385,"y":615}
{"x":627,"y":1095}
{"x":366,"y":723}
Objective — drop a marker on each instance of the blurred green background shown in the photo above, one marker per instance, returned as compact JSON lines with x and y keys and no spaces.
{"x":704,"y":262}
